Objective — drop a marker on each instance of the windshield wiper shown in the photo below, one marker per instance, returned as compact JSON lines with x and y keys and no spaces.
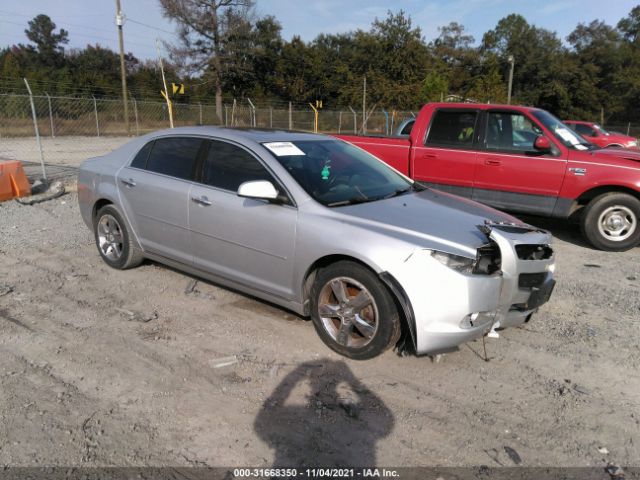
{"x":351,"y":201}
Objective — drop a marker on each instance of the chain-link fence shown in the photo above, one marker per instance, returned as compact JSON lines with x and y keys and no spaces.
{"x":73,"y":129}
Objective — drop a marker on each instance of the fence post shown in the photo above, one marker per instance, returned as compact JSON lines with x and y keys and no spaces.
{"x":53,"y":134}
{"x":135,"y":113}
{"x":226,"y":109}
{"x":386,"y":122}
{"x":339,"y":121}
{"x":35,"y":126}
{"x":355,"y":120}
{"x":95,"y":110}
{"x":233,"y":113}
{"x":628,"y":128}
{"x":290,"y":117}
{"x":200,"y":107}
{"x":270,"y":117}
{"x":253,"y":112}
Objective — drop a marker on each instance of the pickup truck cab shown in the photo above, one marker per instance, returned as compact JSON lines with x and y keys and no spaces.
{"x":523,"y":160}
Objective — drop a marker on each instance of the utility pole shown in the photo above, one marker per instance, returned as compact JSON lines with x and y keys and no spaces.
{"x":512,"y":62}
{"x":364,"y":106}
{"x":123,"y":72}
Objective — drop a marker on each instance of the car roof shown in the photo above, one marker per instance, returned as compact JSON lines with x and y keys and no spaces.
{"x":258,"y":135}
{"x":581,"y":122}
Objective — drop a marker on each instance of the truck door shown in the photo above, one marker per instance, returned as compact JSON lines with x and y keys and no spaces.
{"x":447,"y":159}
{"x":511,"y":174}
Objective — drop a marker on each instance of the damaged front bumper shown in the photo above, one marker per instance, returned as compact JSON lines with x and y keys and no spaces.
{"x":446,"y":308}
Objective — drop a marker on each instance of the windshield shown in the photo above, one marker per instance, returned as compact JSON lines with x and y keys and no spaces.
{"x":600,"y":129}
{"x":568,"y":137}
{"x":336,"y":173}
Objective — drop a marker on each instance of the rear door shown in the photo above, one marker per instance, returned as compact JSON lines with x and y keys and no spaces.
{"x":447,"y":159}
{"x":511,"y":174}
{"x":249,"y":241}
{"x":155,"y":194}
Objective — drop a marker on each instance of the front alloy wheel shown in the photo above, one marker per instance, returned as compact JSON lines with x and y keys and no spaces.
{"x":353,"y":312}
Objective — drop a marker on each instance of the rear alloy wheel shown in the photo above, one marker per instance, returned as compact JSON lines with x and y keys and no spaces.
{"x":114,"y":243}
{"x":610,"y":222}
{"x":353,"y":312}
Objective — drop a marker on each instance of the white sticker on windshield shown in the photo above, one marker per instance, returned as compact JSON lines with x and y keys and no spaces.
{"x":283,"y":149}
{"x":567,"y":136}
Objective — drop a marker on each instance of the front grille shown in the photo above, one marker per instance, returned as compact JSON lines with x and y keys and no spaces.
{"x":531,"y":280}
{"x":534,"y":252}
{"x":488,"y":259}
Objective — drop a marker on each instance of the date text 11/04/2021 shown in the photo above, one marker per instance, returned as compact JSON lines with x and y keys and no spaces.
{"x":315,"y":473}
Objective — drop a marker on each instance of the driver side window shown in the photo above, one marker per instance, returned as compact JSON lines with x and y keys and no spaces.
{"x":508,"y":131}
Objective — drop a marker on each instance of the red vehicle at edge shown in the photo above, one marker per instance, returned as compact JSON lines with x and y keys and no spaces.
{"x":523,"y":160}
{"x":597,"y":135}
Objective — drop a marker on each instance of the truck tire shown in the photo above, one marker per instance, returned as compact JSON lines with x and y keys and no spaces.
{"x":610,"y":222}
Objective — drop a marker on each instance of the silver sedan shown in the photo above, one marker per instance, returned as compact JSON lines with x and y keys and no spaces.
{"x":319,"y":227}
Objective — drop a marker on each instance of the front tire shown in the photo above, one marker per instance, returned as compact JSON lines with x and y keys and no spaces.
{"x":115,"y":244}
{"x":610,"y":222}
{"x":353,"y":312}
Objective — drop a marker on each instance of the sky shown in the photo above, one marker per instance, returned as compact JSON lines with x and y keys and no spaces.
{"x":93,"y":21}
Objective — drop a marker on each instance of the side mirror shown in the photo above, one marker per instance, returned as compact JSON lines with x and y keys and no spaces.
{"x":542,"y":144}
{"x":260,"y":189}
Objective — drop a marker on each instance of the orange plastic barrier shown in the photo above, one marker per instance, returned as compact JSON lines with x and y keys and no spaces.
{"x":13,"y":181}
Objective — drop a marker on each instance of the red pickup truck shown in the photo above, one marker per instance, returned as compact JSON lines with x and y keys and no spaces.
{"x":522,"y":160}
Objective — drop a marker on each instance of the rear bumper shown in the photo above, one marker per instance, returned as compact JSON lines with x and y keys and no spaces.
{"x":450,"y":308}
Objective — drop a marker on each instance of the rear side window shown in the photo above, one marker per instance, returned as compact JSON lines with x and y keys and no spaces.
{"x":140,"y":160}
{"x":450,"y":128}
{"x":175,"y":156}
{"x":228,"y":166}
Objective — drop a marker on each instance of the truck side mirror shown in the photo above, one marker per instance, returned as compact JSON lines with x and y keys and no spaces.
{"x":542,"y":144}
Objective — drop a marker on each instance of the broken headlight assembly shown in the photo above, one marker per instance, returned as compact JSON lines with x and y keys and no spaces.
{"x":487,"y":261}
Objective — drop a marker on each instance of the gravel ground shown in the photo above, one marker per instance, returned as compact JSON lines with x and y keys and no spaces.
{"x":68,"y":150}
{"x":102,"y":367}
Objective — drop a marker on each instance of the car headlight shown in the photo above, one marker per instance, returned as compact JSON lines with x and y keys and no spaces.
{"x":455,"y":262}
{"x":632,"y":144}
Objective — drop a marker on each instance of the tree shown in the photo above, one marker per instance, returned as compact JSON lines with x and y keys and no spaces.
{"x":205,"y":30}
{"x":48,"y":44}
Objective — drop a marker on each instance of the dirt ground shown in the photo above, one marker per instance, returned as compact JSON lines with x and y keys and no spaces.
{"x":102,"y":367}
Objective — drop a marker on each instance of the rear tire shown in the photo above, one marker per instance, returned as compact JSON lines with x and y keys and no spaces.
{"x":114,"y":241}
{"x":611,"y":222}
{"x":353,"y":312}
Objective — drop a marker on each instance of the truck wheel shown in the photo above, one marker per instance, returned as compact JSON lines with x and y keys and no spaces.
{"x":610,"y":222}
{"x":353,"y":312}
{"x":115,"y":244}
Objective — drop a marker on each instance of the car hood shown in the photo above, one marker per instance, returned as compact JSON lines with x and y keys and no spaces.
{"x":429,"y":219}
{"x":606,"y":153}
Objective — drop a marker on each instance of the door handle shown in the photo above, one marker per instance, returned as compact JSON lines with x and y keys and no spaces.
{"x":429,"y":155}
{"x":492,"y":162}
{"x":202,"y":200}
{"x":129,"y":182}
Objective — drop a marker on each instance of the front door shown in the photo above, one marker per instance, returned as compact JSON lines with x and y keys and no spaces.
{"x":511,"y":174}
{"x":249,"y":241}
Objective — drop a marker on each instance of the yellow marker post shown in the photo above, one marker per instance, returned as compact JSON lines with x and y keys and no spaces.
{"x":169,"y":107}
{"x":315,"y":122}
